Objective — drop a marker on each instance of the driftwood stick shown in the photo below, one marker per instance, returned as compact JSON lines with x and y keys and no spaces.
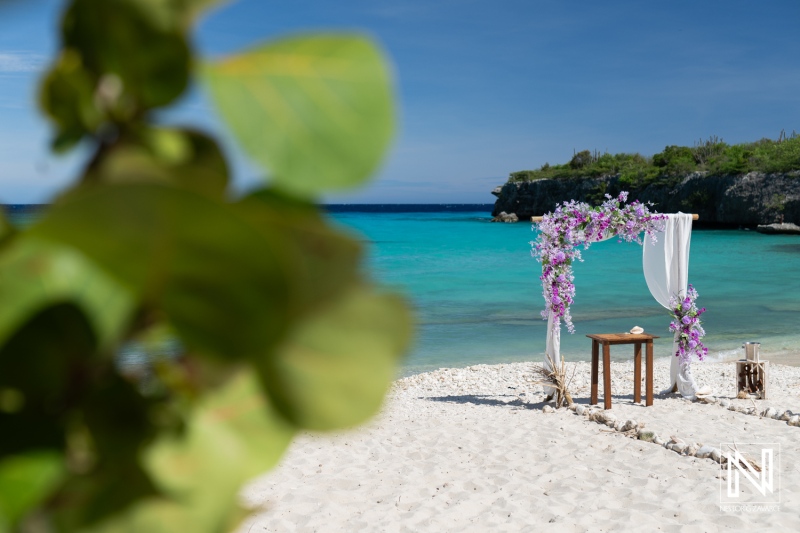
{"x":556,"y":377}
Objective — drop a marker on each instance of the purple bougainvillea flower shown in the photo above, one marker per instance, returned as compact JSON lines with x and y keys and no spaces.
{"x":573,"y":224}
{"x":687,"y":327}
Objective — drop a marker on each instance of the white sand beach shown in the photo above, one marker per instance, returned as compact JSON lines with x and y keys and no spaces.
{"x":472,"y":450}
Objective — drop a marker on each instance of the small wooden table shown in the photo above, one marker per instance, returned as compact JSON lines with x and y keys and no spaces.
{"x":607,"y":339}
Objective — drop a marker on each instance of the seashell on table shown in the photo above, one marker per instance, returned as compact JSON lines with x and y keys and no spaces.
{"x":637,"y":330}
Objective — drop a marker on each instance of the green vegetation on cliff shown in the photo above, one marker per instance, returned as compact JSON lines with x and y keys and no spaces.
{"x":712,"y":156}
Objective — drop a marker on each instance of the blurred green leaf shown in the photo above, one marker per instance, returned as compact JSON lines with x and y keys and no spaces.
{"x":6,"y":228}
{"x":232,"y":436}
{"x":35,"y":274}
{"x":46,"y":365}
{"x":223,"y":284}
{"x":178,"y":12}
{"x":192,"y":9}
{"x":67,"y":96}
{"x":146,"y":245}
{"x":316,"y":111}
{"x":25,"y":481}
{"x":186,"y":158}
{"x":121,"y":40}
{"x":325,"y":261}
{"x":118,"y":425}
{"x":335,"y":368}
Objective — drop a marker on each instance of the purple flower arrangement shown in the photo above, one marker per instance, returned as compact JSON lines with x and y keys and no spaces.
{"x":577,"y":223}
{"x":687,"y":327}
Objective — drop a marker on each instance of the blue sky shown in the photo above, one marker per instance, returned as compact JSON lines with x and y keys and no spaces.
{"x":484,"y":87}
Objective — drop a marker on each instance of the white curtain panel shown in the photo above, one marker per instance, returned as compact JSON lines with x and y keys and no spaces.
{"x":553,"y":349}
{"x":666,"y":270}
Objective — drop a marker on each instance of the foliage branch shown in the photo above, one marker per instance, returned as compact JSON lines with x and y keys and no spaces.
{"x":711,"y":156}
{"x":275,"y":326}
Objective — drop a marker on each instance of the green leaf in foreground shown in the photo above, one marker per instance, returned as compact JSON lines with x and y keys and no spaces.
{"x":35,"y":274}
{"x":26,"y":480}
{"x":325,"y":260}
{"x":67,"y":96}
{"x":232,"y":436}
{"x":336,"y":366}
{"x":146,"y":54}
{"x":316,"y":111}
{"x":221,"y":282}
{"x":181,"y":157}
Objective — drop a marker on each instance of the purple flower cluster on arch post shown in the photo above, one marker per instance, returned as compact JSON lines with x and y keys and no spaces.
{"x":577,"y":223}
{"x":687,"y":326}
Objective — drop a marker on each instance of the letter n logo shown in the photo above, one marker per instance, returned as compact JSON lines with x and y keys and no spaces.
{"x":744,"y":481}
{"x":762,"y":481}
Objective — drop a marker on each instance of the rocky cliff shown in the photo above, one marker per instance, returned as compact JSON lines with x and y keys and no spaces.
{"x":722,"y":201}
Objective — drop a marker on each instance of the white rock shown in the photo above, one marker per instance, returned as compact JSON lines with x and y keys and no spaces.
{"x":678,"y":447}
{"x":580,"y":409}
{"x":618,"y":425}
{"x":795,"y":420}
{"x":629,"y":425}
{"x":769,"y":412}
{"x":658,"y":440}
{"x":606,"y":417}
{"x":724,"y":403}
{"x":691,"y":450}
{"x":716,"y":454}
{"x":786,"y":415}
{"x":548,"y":409}
{"x":704,"y":451}
{"x":732,"y":407}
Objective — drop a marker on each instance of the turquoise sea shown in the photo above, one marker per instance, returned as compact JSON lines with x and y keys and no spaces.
{"x":476,"y":291}
{"x":475,"y":288}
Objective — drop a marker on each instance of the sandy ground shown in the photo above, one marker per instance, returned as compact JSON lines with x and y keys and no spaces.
{"x":472,"y":450}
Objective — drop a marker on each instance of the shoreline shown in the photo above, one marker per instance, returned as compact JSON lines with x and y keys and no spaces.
{"x":473,"y":449}
{"x":785,"y":358}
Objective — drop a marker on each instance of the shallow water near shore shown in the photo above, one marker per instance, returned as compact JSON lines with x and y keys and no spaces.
{"x":476,"y":291}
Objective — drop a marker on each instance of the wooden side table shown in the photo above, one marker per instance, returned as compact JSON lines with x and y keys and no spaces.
{"x":607,"y":339}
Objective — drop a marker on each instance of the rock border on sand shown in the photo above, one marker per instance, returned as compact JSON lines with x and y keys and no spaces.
{"x":633,"y":429}
{"x":785,"y":415}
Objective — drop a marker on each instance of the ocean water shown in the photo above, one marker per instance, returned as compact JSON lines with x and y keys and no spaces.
{"x":477,"y":296}
{"x":476,"y":293}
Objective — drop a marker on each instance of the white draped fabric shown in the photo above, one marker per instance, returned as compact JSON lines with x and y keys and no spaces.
{"x":666,"y":270}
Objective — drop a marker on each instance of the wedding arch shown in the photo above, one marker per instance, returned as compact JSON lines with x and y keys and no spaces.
{"x":665,"y":260}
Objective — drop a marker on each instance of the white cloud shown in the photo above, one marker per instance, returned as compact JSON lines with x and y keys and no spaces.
{"x":21,"y":62}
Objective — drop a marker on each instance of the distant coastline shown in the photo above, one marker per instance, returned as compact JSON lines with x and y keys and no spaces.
{"x":742,"y":185}
{"x":747,"y":200}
